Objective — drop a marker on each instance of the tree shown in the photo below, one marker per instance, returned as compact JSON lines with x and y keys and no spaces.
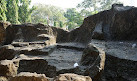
{"x":89,"y":5}
{"x":3,"y":10}
{"x":61,"y":24}
{"x":24,"y":11}
{"x":71,"y":15}
{"x":106,"y":4}
{"x":41,"y":14}
{"x":75,"y":18}
{"x":57,"y":16}
{"x":50,"y":15}
{"x":12,"y":11}
{"x":96,"y":5}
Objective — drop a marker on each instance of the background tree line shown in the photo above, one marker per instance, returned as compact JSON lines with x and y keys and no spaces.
{"x":16,"y":11}
{"x":19,"y":11}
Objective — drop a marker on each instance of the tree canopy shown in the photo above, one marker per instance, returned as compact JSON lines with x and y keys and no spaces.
{"x":16,"y":11}
{"x":97,"y":5}
{"x":48,"y":14}
{"x":12,"y":11}
{"x":24,"y":11}
{"x":3,"y":9}
{"x":75,"y":18}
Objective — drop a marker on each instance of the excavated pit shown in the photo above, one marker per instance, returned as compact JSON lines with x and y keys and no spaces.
{"x":62,"y":56}
{"x":48,"y":60}
{"x":104,"y":46}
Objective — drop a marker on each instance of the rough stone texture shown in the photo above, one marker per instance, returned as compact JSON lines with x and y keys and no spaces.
{"x":27,"y":48}
{"x":34,"y":32}
{"x":63,"y":58}
{"x":118,"y":23}
{"x":94,"y":60}
{"x":19,"y":44}
{"x":39,"y":51}
{"x":29,"y":77}
{"x":38,"y":66}
{"x":121,"y":60}
{"x":3,"y":26}
{"x":30,"y":44}
{"x":98,"y":32}
{"x":3,"y":79}
{"x":7,"y":52}
{"x":72,"y":77}
{"x":117,"y":69}
{"x":8,"y":68}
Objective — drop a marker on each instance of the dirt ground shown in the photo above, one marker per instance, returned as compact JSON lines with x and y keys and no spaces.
{"x":121,"y":49}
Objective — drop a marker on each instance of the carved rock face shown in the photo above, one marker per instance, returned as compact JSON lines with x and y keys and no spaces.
{"x":26,"y":76}
{"x":2,"y":32}
{"x":94,"y":59}
{"x":72,"y":77}
{"x":42,"y":49}
{"x":38,"y":66}
{"x":8,"y":68}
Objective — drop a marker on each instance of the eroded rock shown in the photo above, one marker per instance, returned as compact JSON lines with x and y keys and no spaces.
{"x":72,"y":77}
{"x":121,"y":62}
{"x":94,"y":60}
{"x":26,"y":76}
{"x":34,"y":32}
{"x":30,"y":40}
{"x":117,"y":69}
{"x":38,"y":51}
{"x":3,"y":26}
{"x":37,"y":65}
{"x":7,"y":52}
{"x":8,"y":68}
{"x":3,"y":79}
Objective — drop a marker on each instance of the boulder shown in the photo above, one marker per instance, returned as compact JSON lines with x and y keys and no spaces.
{"x":37,"y":65}
{"x":26,"y":76}
{"x":8,"y":68}
{"x":118,"y":69}
{"x":121,"y":60}
{"x":93,"y":59}
{"x":72,"y":77}
{"x":7,"y":52}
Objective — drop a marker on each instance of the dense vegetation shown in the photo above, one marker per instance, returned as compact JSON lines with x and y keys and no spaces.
{"x":19,"y":11}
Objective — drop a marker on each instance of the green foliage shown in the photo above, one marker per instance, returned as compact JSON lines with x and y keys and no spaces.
{"x":12,"y":11}
{"x":61,"y":24}
{"x":16,"y":11}
{"x":89,"y":5}
{"x":71,"y":15}
{"x":75,"y":18}
{"x":50,"y":15}
{"x":106,"y":4}
{"x":3,"y":10}
{"x":24,"y":11}
{"x":97,"y":5}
